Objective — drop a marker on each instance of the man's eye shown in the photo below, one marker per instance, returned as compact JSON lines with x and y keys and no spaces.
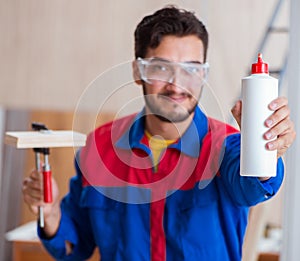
{"x":158,"y":68}
{"x":192,"y":69}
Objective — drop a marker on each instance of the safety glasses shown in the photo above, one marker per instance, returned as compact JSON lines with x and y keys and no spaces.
{"x":187,"y":74}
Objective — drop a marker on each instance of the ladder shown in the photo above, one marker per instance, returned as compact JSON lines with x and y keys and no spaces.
{"x":280,"y":71}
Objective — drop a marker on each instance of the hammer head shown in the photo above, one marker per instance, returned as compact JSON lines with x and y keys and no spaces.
{"x":37,"y":126}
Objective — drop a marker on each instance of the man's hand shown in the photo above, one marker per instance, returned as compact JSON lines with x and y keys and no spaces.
{"x":279,"y":124}
{"x":33,"y":197}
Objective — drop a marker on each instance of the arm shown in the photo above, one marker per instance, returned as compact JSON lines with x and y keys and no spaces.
{"x":246,"y":191}
{"x":67,"y":233}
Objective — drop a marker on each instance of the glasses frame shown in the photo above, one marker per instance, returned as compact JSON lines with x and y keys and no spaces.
{"x":143,"y":62}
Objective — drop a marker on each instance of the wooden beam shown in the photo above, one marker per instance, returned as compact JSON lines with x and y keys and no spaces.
{"x":44,"y":139}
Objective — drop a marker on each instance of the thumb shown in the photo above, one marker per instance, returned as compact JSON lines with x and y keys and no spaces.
{"x":237,"y":112}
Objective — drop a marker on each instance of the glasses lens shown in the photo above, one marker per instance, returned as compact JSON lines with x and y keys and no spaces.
{"x":157,"y":70}
{"x":194,"y":71}
{"x":186,"y":74}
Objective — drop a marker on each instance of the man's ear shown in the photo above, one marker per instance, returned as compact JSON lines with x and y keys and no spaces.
{"x":136,"y":73}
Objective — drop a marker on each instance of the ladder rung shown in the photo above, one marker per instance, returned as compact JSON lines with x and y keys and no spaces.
{"x":278,"y":30}
{"x":275,"y":71}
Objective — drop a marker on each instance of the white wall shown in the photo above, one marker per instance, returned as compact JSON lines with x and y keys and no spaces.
{"x":51,"y":50}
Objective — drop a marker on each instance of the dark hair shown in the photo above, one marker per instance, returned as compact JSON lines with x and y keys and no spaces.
{"x":167,"y":21}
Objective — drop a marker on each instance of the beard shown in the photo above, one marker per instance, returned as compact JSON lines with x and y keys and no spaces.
{"x":167,"y":110}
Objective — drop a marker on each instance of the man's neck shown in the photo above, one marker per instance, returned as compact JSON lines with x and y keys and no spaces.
{"x":167,"y":130}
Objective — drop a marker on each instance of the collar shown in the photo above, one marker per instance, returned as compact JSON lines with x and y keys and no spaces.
{"x":188,"y":144}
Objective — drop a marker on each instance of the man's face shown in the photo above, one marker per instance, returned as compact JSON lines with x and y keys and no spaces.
{"x":176,"y":99}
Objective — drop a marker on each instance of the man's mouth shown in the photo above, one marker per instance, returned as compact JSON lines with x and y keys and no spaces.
{"x":171,"y":97}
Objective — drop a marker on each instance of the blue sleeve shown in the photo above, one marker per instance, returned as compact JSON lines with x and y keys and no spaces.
{"x":246,"y":191}
{"x":74,"y":226}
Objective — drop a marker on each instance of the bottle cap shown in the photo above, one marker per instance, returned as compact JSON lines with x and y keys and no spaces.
{"x":260,"y":66}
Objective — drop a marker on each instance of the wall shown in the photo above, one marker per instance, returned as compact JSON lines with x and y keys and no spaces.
{"x":52,"y":50}
{"x":72,"y":55}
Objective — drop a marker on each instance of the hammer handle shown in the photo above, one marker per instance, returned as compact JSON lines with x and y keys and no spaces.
{"x":47,"y":186}
{"x":40,"y":209}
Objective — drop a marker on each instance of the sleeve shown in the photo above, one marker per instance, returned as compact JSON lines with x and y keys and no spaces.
{"x":74,"y":227}
{"x":246,"y":191}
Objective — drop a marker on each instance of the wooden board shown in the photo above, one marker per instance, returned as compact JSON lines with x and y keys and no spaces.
{"x":44,"y":139}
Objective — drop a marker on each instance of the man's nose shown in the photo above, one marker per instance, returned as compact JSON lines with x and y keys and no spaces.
{"x":175,"y":83}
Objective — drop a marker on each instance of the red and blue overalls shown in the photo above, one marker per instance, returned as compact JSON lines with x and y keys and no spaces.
{"x":193,"y":207}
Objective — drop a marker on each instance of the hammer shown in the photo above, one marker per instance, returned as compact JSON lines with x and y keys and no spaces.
{"x":47,"y":184}
{"x":40,"y":140}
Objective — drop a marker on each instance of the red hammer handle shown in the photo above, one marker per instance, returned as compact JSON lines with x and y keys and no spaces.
{"x":47,"y":186}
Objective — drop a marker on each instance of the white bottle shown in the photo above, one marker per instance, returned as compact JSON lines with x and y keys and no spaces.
{"x":258,"y":90}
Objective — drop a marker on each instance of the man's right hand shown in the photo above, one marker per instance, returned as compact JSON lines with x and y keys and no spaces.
{"x":33,"y":197}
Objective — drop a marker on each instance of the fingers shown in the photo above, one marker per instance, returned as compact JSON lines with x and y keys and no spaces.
{"x":281,"y":127}
{"x":279,"y":123}
{"x":278,"y":103}
{"x":285,"y":133}
{"x":281,"y":111}
{"x":33,"y":189}
{"x":237,"y":112}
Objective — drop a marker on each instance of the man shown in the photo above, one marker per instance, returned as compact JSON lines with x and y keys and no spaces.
{"x":163,"y":184}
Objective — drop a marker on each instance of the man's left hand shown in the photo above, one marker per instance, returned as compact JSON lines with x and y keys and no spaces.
{"x":279,"y":123}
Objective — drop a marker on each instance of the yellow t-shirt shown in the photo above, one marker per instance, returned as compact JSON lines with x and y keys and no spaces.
{"x":157,"y":145}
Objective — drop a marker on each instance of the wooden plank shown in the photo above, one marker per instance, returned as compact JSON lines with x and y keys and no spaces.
{"x":30,"y":251}
{"x":44,"y":139}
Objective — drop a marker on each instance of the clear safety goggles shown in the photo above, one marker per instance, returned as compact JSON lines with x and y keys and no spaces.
{"x":186,"y":74}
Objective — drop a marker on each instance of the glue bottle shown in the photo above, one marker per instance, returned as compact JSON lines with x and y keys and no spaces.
{"x":258,"y":90}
